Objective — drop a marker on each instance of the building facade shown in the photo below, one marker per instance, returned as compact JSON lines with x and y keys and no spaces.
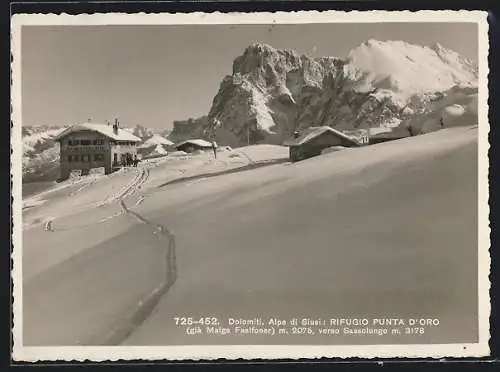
{"x":87,"y":146}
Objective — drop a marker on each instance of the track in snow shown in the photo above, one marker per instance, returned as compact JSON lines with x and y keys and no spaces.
{"x":141,"y":177}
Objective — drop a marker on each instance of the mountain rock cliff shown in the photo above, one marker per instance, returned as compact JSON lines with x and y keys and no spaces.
{"x":379,"y":86}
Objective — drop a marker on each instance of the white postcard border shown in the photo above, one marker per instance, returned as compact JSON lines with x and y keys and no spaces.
{"x":206,"y":352}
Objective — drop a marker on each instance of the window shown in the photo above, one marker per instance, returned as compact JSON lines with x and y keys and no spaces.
{"x":98,"y":142}
{"x":98,"y":157}
{"x":85,"y":142}
{"x":75,"y":158}
{"x":75,"y":142}
{"x":69,"y":158}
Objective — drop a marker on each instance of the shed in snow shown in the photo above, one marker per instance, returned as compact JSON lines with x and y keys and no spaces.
{"x":194,"y":145}
{"x":395,"y":134}
{"x":313,"y":140}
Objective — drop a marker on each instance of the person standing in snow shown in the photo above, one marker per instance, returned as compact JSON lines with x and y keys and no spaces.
{"x":441,"y":122}
{"x":48,"y":226}
{"x":214,"y":148}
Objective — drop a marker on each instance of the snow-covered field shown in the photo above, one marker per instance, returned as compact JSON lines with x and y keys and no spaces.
{"x":389,"y":225}
{"x":87,"y":192}
{"x":385,"y":229}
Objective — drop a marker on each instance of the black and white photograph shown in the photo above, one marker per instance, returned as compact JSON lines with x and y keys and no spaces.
{"x":250,"y":185}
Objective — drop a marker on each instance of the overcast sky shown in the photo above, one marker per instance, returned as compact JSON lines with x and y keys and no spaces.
{"x":152,"y":75}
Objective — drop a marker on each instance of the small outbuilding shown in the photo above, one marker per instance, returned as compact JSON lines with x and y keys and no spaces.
{"x":312,"y":141}
{"x":192,"y":145}
{"x":395,"y":134}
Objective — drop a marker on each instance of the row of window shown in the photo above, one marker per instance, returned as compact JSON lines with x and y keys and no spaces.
{"x":79,"y":149}
{"x":85,"y":142}
{"x":122,"y":143}
{"x":84,"y":158}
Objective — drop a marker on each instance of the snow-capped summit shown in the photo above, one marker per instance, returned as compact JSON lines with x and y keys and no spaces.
{"x":380,"y":84}
{"x":406,"y":70}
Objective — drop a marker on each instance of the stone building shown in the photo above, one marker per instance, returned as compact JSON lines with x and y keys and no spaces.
{"x":88,"y":145}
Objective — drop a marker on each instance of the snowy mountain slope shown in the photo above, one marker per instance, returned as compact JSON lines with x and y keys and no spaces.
{"x":379,"y":85}
{"x":455,"y":107}
{"x":40,"y":153}
{"x":36,"y":139}
{"x":402,"y":70}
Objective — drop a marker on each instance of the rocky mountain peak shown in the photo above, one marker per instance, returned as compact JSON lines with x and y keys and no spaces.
{"x":380,"y":85}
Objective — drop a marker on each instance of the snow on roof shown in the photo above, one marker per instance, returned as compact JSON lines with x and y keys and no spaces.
{"x":197,"y":142}
{"x":154,"y":140}
{"x":158,"y":150}
{"x":313,"y":132}
{"x":104,"y":129}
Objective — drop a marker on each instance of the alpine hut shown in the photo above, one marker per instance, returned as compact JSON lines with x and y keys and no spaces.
{"x":312,"y":141}
{"x":193,"y":145}
{"x":90,"y":145}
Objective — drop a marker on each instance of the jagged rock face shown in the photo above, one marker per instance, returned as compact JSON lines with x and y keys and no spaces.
{"x":273,"y":92}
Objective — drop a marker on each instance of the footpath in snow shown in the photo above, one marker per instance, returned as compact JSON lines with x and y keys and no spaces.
{"x":98,"y":251}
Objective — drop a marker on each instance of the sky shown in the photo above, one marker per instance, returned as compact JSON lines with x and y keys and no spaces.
{"x":153,"y":75}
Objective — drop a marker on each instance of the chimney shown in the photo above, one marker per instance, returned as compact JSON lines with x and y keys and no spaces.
{"x":115,"y":126}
